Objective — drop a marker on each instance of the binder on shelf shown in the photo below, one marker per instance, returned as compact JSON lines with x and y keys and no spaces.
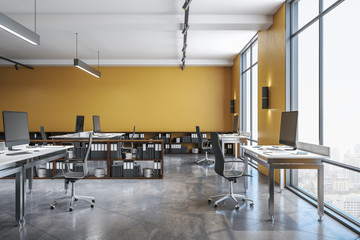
{"x":194,"y":138}
{"x":144,"y":151}
{"x":128,"y":170}
{"x":137,"y":170}
{"x":184,"y":149}
{"x":175,"y":148}
{"x":139,"y":153}
{"x":151,"y":151}
{"x":117,"y":169}
{"x":167,"y":137}
{"x":167,"y":148}
{"x":157,"y":169}
{"x":157,"y":151}
{"x":186,"y":139}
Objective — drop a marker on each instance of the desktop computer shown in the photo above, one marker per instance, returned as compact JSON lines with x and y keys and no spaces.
{"x":16,"y":129}
{"x":96,"y":124}
{"x":79,"y":127}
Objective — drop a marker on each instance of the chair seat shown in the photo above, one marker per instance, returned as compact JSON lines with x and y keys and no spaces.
{"x":76,"y":175}
{"x":232,"y":174}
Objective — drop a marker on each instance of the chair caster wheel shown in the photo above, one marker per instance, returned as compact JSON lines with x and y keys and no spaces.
{"x":71,"y":209}
{"x":92,"y":205}
{"x":215,"y":205}
{"x":93,"y":200}
{"x":76,"y":199}
{"x":209,"y":201}
{"x":251,"y":204}
{"x":52,"y":207}
{"x":237,"y":207}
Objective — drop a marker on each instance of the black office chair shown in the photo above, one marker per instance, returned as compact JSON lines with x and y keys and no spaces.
{"x":43,"y":134}
{"x":72,"y":177}
{"x":231,"y":175}
{"x":204,"y":145}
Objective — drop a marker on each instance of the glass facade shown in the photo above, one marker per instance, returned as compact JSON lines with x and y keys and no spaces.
{"x":324,"y":75}
{"x":249,"y":90}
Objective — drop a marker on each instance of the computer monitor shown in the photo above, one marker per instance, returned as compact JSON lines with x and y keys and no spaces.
{"x":16,"y":128}
{"x":288,"y":128}
{"x":236,"y":124}
{"x":79,"y":127}
{"x":96,"y":124}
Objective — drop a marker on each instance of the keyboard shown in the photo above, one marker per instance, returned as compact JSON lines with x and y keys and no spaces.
{"x":18,"y":153}
{"x":274,"y":149}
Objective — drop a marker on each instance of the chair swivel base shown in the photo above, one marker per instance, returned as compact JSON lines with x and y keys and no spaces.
{"x":232,"y":196}
{"x":73,"y":198}
{"x":206,"y":159}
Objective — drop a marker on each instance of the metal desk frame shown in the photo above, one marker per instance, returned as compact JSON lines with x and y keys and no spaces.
{"x":291,"y":161}
{"x":19,"y":166}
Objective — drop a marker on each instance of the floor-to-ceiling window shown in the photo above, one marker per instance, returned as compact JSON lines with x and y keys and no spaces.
{"x":326,"y":82}
{"x":249,"y":90}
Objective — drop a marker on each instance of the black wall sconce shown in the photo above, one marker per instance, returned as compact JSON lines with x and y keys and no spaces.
{"x":265,"y":97}
{"x":232,"y":106}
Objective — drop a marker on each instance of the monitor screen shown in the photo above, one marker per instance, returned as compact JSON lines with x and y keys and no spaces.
{"x":236,"y":124}
{"x":96,"y":124}
{"x":288,"y":128}
{"x":16,"y":128}
{"x":79,"y":127}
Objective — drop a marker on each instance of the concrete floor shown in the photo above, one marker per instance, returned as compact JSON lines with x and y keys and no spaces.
{"x":173,"y":208}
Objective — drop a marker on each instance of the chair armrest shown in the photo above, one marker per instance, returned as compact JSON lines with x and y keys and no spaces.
{"x":233,"y":161}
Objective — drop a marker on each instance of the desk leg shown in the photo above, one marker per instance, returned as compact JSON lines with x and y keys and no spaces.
{"x":31,"y":177}
{"x":223,"y":148}
{"x":246,"y":171}
{"x":236,"y":151}
{"x":20,"y":197}
{"x":321,"y":192}
{"x":271,"y":193}
{"x":282,"y":178}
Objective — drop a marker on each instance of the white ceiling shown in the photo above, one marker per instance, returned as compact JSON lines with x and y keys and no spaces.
{"x":135,"y":33}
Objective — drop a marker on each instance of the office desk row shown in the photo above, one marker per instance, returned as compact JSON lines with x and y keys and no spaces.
{"x":17,"y":164}
{"x":282,"y":159}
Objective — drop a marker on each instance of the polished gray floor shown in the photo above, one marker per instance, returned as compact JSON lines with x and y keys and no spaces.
{"x":173,"y":208}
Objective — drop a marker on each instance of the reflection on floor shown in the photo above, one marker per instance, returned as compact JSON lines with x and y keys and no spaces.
{"x":173,"y":208}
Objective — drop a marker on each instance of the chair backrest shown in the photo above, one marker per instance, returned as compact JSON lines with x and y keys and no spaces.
{"x":132,"y":138}
{"x":85,"y":166}
{"x":199,"y":137}
{"x":42,"y":133}
{"x":219,"y":157}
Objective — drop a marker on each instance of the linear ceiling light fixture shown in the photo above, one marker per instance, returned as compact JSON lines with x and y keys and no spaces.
{"x":85,"y":67}
{"x":13,"y":27}
{"x":184,"y":31}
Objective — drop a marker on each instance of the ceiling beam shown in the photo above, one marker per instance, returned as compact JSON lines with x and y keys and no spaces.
{"x":126,"y":62}
{"x":162,"y":22}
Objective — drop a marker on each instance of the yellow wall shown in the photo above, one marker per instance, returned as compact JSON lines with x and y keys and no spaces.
{"x":152,"y":98}
{"x":271,"y":65}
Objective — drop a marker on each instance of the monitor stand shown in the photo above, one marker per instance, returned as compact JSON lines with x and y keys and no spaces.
{"x":12,"y":149}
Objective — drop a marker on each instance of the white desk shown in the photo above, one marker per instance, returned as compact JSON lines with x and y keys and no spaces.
{"x":84,"y":135}
{"x":232,"y":138}
{"x":287,"y":160}
{"x":17,"y":164}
